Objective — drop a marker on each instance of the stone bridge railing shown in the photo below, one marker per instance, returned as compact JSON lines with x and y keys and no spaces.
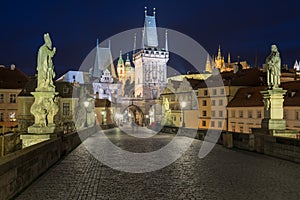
{"x":19,"y":169}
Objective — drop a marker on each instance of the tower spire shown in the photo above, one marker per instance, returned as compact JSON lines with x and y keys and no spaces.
{"x":208,"y":64}
{"x":166,"y":42}
{"x":145,"y":11}
{"x":219,"y":53}
{"x":134,"y":43}
{"x":229,"y":59}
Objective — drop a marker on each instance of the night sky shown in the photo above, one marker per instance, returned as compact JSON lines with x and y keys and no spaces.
{"x":243,"y":28}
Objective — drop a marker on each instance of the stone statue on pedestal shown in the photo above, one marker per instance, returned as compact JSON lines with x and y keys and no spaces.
{"x":45,"y":106}
{"x":273,"y":63}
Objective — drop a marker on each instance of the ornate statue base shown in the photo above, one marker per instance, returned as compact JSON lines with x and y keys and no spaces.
{"x":44,"y":108}
{"x":273,"y":113}
{"x":273,"y":122}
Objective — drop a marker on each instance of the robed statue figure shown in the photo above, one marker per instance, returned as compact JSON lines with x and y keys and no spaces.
{"x":273,"y":63}
{"x":45,"y":66}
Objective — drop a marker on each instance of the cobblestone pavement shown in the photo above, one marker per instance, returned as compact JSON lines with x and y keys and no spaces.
{"x":223,"y":174}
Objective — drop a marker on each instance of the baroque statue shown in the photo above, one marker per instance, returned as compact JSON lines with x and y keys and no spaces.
{"x":45,"y":66}
{"x":273,"y":63}
{"x":45,"y":105}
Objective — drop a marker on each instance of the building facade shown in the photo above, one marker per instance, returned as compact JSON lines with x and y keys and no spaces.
{"x":150,"y":62}
{"x":12,"y":80}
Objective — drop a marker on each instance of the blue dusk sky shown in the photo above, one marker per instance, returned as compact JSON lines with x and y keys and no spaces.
{"x":243,"y":28}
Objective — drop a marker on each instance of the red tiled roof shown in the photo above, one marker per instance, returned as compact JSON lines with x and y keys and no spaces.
{"x":12,"y":78}
{"x":249,"y":97}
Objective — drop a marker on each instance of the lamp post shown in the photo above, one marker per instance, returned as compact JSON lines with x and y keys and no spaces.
{"x":102,"y":113}
{"x":183,"y":104}
{"x":86,"y":105}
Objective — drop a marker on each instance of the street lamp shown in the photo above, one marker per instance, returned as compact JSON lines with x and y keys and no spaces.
{"x":86,"y":105}
{"x":102,"y":113}
{"x":183,"y":104}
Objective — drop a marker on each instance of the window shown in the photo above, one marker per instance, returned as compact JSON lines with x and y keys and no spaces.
{"x":250,"y":114}
{"x":220,"y":124}
{"x":205,"y":92}
{"x":204,"y":113}
{"x":12,"y":98}
{"x":213,"y":113}
{"x":213,"y":102}
{"x":204,"y":103}
{"x":297,"y":115}
{"x":222,"y":91}
{"x":66,"y":108}
{"x":233,"y":113}
{"x":214,"y":92}
{"x":174,"y":118}
{"x":203,"y":123}
{"x":1,"y":116}
{"x":66,"y":90}
{"x":220,"y":113}
{"x":212,"y":124}
{"x":1,"y":98}
{"x":241,"y":129}
{"x":220,"y":102}
{"x":233,"y":128}
{"x":240,"y":113}
{"x":258,"y":114}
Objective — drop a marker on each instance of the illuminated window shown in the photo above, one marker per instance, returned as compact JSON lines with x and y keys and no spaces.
{"x":12,"y":98}
{"x":12,"y":117}
{"x":1,"y":98}
{"x":66,"y":108}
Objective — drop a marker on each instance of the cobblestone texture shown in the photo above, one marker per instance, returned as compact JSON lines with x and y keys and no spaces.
{"x":223,"y":174}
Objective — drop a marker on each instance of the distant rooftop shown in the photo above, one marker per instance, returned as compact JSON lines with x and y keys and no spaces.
{"x":12,"y":78}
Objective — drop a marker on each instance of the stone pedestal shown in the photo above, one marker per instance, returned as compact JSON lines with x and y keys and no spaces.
{"x":44,"y":109}
{"x":273,"y":112}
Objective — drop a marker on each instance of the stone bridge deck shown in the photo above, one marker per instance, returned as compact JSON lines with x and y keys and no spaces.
{"x":223,"y":174}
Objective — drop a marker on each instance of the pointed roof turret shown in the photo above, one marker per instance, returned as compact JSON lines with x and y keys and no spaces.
{"x":166,"y":42}
{"x":150,"y":38}
{"x":208,"y":67}
{"x":120,"y":61}
{"x":103,"y":60}
{"x":229,"y":59}
{"x":219,"y":53}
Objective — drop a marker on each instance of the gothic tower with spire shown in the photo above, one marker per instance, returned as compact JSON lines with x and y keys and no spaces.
{"x":150,"y":62}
